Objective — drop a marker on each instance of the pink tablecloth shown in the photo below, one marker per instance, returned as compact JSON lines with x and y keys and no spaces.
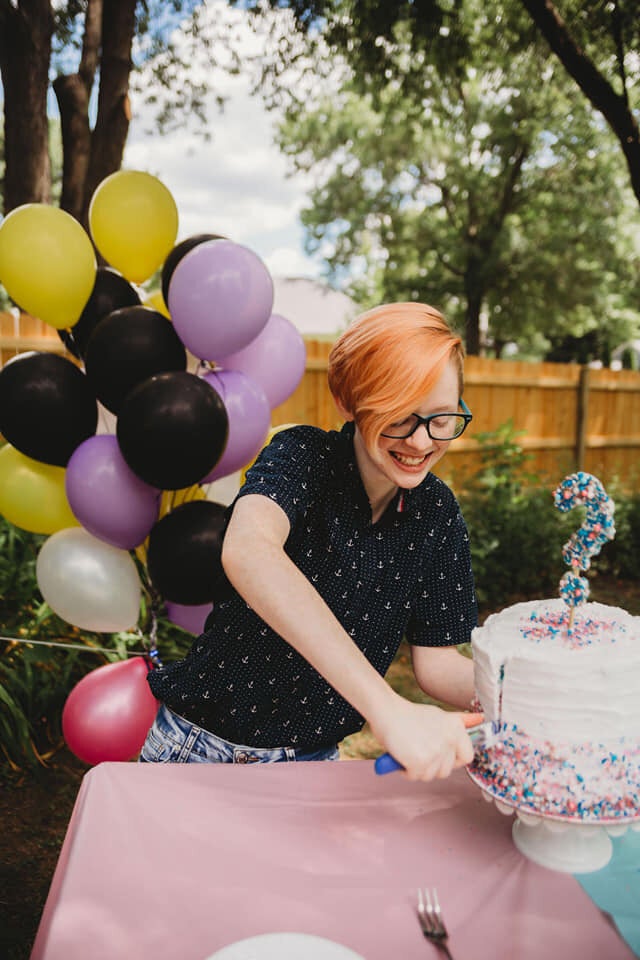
{"x":173,"y":862}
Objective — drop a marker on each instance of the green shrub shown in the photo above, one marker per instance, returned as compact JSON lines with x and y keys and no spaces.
{"x":517,"y":533}
{"x":621,"y":557}
{"x":36,"y":678}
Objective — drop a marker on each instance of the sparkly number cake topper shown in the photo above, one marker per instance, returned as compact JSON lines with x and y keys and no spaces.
{"x":583,"y":490}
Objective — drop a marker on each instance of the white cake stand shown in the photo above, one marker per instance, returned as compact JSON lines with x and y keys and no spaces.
{"x":561,"y":843}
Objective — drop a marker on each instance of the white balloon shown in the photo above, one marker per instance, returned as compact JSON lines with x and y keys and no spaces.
{"x":87,"y":582}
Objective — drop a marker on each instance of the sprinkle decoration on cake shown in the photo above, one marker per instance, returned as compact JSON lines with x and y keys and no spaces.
{"x":583,"y":489}
{"x":560,"y":678}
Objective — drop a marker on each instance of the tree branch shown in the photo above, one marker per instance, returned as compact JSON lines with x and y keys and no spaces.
{"x":597,"y":89}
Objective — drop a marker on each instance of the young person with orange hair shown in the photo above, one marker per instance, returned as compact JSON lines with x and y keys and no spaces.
{"x":338,"y":545}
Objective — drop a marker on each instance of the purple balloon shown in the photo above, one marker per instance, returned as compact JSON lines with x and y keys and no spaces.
{"x":220,"y":298}
{"x":190,"y":618}
{"x":108,"y":499}
{"x":249,"y":416}
{"x":275,"y":359}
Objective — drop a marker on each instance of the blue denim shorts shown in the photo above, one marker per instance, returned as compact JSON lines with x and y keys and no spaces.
{"x":172,"y":739}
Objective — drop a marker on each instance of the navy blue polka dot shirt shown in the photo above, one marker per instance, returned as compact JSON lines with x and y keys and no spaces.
{"x":408,"y":575}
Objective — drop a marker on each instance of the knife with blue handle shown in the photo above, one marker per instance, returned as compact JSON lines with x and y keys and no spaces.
{"x":481,"y":734}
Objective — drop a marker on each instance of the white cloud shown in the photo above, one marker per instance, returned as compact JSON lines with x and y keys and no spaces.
{"x":237,"y":184}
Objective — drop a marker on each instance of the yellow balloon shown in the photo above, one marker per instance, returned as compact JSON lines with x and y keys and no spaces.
{"x":133,"y":220}
{"x":171,"y":499}
{"x":32,"y":494}
{"x":47,"y":263}
{"x":155,"y":301}
{"x":270,"y":436}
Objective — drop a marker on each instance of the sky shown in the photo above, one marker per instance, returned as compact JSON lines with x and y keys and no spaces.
{"x":236,"y":184}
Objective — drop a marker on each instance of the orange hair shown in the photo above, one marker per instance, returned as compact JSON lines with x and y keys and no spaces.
{"x":388,"y":360}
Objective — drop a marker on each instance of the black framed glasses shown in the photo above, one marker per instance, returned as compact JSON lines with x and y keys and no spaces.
{"x":440,"y":426}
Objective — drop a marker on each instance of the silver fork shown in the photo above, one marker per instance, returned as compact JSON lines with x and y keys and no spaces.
{"x":430,"y":917}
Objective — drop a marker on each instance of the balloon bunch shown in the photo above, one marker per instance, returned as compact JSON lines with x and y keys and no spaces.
{"x":125,"y":508}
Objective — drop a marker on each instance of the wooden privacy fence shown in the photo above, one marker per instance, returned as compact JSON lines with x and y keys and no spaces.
{"x":566,"y":416}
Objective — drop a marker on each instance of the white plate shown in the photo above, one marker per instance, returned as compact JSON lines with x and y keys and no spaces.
{"x":285,"y":946}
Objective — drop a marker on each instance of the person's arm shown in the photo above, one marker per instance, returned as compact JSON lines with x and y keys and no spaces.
{"x":444,"y":674}
{"x":427,"y":741}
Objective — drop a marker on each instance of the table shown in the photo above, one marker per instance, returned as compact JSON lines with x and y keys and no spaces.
{"x":173,"y":862}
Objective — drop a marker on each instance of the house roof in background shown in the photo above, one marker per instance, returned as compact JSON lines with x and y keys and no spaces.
{"x":315,"y":308}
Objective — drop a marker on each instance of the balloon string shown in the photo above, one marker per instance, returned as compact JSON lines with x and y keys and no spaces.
{"x":74,"y":646}
{"x":151,"y":643}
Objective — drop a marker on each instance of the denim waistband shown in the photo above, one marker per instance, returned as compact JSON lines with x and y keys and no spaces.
{"x":173,"y":738}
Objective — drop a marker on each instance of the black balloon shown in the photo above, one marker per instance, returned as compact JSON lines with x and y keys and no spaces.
{"x":127,"y":347}
{"x":183,"y":553}
{"x":110,"y":292}
{"x":178,"y":253}
{"x":47,"y":407}
{"x":172,"y":430}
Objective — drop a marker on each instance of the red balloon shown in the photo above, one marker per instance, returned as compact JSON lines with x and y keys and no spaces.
{"x":108,"y":713}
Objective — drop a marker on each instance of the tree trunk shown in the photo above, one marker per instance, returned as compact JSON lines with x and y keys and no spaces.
{"x":613,"y":106}
{"x":112,"y":123}
{"x":25,"y":51}
{"x":73,"y":93}
{"x":472,"y":324}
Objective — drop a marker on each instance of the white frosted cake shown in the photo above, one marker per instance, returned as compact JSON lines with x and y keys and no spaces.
{"x":566,"y":704}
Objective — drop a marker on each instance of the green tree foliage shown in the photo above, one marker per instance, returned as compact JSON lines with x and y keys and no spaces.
{"x":596,"y":41}
{"x":490,"y":189}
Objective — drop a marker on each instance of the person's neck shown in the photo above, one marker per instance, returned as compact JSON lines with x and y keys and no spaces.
{"x":379,"y":489}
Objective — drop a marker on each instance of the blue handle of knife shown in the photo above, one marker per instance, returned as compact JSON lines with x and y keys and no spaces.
{"x":385,"y":763}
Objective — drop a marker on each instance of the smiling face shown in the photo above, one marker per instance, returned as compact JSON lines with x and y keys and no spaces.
{"x":392,"y":463}
{"x":392,"y":361}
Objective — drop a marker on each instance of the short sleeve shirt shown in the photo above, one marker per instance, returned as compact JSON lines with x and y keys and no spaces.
{"x":408,"y":575}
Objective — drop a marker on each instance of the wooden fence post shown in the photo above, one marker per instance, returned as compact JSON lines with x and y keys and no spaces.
{"x":581,"y":417}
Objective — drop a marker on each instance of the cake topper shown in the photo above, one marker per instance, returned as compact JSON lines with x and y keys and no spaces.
{"x":583,"y":490}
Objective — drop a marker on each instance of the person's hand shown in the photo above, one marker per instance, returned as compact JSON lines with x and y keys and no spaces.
{"x":429,"y":742}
